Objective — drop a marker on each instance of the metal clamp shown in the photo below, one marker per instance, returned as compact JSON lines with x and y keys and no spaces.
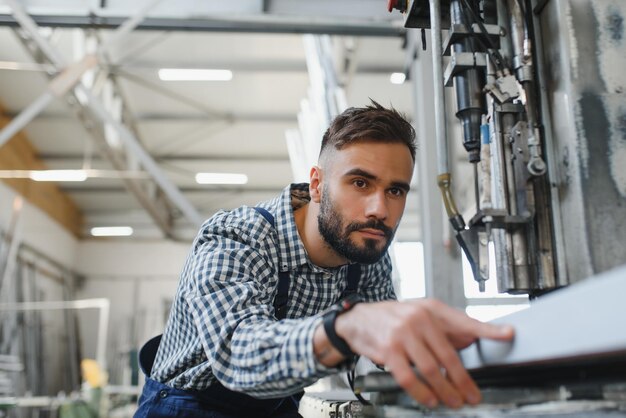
{"x":463,"y":61}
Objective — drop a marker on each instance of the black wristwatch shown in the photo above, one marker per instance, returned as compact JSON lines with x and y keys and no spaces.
{"x":329,"y":323}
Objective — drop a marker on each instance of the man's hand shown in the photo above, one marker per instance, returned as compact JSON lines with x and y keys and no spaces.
{"x":425,"y":334}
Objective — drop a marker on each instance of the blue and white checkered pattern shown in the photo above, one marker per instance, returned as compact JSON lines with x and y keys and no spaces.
{"x":222,"y":323}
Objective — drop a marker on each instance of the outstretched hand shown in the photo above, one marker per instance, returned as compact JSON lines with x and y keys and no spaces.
{"x":425,"y":334}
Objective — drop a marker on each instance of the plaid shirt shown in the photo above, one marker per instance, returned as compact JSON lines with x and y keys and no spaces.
{"x":222,"y":322}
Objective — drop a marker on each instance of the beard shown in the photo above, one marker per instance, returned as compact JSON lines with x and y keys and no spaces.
{"x":337,"y":236}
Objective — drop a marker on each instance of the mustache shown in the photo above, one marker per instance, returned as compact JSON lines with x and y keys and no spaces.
{"x":371,"y":224}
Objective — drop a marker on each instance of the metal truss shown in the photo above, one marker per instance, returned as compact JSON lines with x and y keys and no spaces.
{"x":95,"y":116}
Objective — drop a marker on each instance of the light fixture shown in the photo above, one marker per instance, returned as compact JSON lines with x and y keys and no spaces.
{"x":58,"y":175}
{"x":397,"y":78}
{"x":70,"y":175}
{"x":194,"y":74}
{"x":221,"y":178}
{"x":112,"y":231}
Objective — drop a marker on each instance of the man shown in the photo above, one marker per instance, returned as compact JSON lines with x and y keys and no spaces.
{"x":252,"y":323}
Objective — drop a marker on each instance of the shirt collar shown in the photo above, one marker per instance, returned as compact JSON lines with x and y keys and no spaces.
{"x":292,"y":252}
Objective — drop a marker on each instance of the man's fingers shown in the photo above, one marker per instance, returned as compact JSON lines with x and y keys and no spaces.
{"x":455,"y":370}
{"x":408,"y":380}
{"x":430,"y":370}
{"x":495,"y":332}
{"x":462,"y":330}
{"x":459,"y":321}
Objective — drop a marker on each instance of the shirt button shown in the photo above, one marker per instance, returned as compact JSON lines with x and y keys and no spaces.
{"x":163,"y":394}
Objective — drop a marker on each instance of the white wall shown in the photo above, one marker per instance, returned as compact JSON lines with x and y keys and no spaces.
{"x":35,"y":229}
{"x":38,"y":230}
{"x":138,"y":278}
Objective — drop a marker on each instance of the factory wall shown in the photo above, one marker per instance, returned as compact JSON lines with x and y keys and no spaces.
{"x":46,"y":253}
{"x":140,"y":280}
{"x":38,"y":230}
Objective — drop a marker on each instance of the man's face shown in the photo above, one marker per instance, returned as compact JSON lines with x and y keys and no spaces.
{"x":364,"y":191}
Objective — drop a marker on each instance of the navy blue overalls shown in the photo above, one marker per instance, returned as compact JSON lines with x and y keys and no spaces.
{"x":159,"y":400}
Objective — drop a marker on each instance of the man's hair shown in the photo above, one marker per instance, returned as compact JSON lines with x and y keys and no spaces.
{"x":369,"y":123}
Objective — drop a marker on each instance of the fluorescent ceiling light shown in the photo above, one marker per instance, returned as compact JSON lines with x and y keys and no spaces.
{"x":71,"y":175}
{"x":397,"y":78}
{"x":194,"y":74}
{"x":58,"y":175}
{"x":221,"y":178}
{"x":112,"y":231}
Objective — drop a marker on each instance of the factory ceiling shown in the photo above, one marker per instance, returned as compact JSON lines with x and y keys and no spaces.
{"x":158,"y":134}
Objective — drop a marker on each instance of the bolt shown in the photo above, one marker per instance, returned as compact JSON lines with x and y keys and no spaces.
{"x":536,"y":166}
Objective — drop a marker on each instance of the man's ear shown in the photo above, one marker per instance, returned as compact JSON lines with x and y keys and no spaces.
{"x":315,"y":184}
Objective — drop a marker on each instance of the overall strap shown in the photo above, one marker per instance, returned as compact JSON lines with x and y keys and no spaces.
{"x":354,"y":274}
{"x":265,"y":213}
{"x":282,"y":293}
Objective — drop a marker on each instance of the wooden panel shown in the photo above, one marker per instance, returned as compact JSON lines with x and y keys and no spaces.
{"x":19,"y":154}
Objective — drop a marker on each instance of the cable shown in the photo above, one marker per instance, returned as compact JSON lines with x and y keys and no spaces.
{"x":466,"y":23}
{"x":351,"y":375}
{"x":492,"y":51}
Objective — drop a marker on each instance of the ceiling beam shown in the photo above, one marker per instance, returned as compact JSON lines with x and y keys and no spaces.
{"x":185,"y":189}
{"x":18,"y":154}
{"x":272,"y":159}
{"x":175,"y":117}
{"x":255,"y":24}
{"x":257,"y":66}
{"x":97,"y":109}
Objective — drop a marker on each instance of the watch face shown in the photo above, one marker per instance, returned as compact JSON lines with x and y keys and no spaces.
{"x":346,"y":304}
{"x":350,"y":301}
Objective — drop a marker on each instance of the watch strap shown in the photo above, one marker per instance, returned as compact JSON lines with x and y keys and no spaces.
{"x":329,"y":324}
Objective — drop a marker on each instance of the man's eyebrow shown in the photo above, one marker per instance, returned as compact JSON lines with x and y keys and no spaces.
{"x":401,"y":185}
{"x":360,"y":172}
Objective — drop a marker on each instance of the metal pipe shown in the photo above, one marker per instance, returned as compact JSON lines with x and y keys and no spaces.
{"x":522,"y":64}
{"x":520,"y":279}
{"x":440,"y":105}
{"x":149,"y":164}
{"x":25,"y":116}
{"x":27,"y":22}
{"x":468,"y":85}
{"x":501,"y":237}
{"x":553,"y":174}
{"x":129,"y":25}
{"x":232,"y":23}
{"x":56,"y":88}
{"x":170,"y":189}
{"x":103,"y":321}
{"x":14,"y":234}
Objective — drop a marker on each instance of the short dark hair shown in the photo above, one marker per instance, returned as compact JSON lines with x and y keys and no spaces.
{"x":369,"y":123}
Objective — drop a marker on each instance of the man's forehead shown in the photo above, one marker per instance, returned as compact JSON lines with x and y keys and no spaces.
{"x":374,"y":166}
{"x":364,"y":147}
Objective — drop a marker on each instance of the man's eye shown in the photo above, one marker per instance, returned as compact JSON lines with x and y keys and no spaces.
{"x":360,"y":183}
{"x":396,"y":191}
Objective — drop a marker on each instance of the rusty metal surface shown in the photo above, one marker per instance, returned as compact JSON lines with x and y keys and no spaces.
{"x":584,"y":56}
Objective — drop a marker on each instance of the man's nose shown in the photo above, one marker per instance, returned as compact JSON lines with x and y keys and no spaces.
{"x":377,"y":206}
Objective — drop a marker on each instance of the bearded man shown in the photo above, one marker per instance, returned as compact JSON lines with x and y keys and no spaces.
{"x":276,"y":296}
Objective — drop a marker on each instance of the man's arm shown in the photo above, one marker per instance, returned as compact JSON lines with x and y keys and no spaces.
{"x":230,"y":298}
{"x":426,"y":334}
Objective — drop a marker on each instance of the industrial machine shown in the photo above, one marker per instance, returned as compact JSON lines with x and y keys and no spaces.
{"x":540,"y":93}
{"x":540,"y":96}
